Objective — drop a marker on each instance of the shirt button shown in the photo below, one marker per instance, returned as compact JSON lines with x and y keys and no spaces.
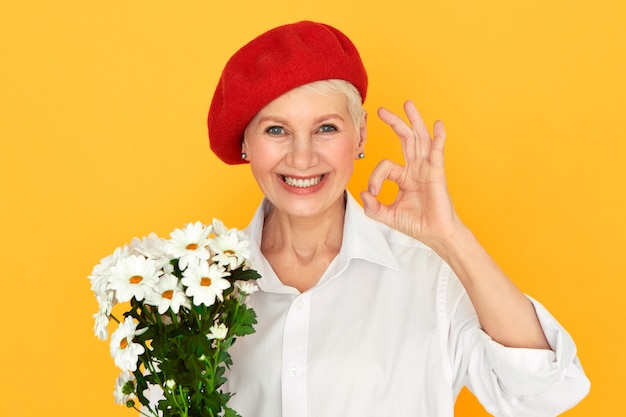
{"x":293,"y":372}
{"x":299,"y":303}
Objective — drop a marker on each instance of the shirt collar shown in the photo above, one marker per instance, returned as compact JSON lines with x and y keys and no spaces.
{"x":363,"y":238}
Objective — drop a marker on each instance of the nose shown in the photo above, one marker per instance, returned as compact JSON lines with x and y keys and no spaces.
{"x":303,"y":154}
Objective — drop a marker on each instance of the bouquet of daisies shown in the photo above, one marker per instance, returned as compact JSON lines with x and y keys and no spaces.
{"x":185,"y":304}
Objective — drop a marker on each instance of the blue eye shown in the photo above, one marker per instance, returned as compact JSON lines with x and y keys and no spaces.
{"x":328,"y":128}
{"x":275,"y":130}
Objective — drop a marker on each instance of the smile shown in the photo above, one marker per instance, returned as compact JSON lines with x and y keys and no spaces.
{"x":303,"y":183}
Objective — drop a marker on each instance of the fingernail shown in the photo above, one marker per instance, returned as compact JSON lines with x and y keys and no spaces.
{"x":372,"y":189}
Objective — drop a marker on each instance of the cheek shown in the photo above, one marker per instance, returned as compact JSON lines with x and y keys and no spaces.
{"x":260,"y":154}
{"x":344,"y":151}
{"x":260,"y":165}
{"x":263,"y":177}
{"x":262,"y":162}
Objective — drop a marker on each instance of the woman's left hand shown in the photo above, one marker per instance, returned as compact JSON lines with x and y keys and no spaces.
{"x":422,"y":208}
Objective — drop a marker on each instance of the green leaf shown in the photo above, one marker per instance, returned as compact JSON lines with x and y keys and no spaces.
{"x":241,"y":274}
{"x":229,"y":412}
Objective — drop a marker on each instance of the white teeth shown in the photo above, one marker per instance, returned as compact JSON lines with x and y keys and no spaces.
{"x":303,"y":183}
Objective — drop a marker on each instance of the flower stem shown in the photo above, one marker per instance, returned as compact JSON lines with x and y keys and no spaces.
{"x":215,"y":363}
{"x":173,"y":316}
{"x":184,"y":407}
{"x":152,"y":414}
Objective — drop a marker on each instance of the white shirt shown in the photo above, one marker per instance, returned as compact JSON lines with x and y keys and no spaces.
{"x":387,"y":331}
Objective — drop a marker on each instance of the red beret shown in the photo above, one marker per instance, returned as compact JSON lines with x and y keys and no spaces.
{"x":275,"y":62}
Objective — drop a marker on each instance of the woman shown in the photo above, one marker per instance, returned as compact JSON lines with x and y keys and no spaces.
{"x":389,"y":310}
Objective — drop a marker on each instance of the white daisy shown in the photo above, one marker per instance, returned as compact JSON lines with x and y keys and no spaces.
{"x":218,"y":227}
{"x":205,"y":283}
{"x":106,"y":300}
{"x":100,"y":274}
{"x":151,"y":247}
{"x":100,"y":327}
{"x":123,"y":350}
{"x":218,"y":332}
{"x":125,"y":387}
{"x":230,"y":250}
{"x":246,"y":287}
{"x":169,"y":293}
{"x":134,"y":276}
{"x":189,"y":245}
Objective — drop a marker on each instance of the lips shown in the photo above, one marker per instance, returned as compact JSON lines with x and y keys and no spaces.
{"x":303,"y":182}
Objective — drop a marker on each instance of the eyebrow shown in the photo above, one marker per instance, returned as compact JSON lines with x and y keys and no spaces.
{"x":282,"y":120}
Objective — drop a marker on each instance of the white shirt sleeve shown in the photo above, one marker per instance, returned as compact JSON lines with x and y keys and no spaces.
{"x":513,"y":381}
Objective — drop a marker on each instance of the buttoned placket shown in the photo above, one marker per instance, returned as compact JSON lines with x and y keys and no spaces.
{"x":295,"y":354}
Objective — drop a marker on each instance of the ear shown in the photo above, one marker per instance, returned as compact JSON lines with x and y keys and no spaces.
{"x":362,"y":134}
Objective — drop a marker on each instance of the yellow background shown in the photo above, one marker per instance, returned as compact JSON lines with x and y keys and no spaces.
{"x":103,"y":138}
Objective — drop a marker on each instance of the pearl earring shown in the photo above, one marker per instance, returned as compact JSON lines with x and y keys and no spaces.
{"x":244,"y":155}
{"x":361,"y":155}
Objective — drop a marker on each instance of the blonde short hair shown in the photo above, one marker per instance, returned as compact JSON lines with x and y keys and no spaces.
{"x":335,"y":86}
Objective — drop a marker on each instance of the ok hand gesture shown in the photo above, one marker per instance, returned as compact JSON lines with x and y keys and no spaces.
{"x":422,"y":207}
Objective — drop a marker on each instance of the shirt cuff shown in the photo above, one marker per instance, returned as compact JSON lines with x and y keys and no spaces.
{"x":523,"y":371}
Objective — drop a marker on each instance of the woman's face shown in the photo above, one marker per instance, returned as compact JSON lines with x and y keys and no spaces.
{"x":301,"y":148}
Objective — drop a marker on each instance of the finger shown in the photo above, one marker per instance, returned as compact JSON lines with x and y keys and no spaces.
{"x":371,"y":205}
{"x":375,"y":209}
{"x":419,"y":127}
{"x":439,"y":139}
{"x":402,"y":130}
{"x":385,"y":170}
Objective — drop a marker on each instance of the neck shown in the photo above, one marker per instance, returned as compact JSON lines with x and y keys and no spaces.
{"x":301,"y":248}
{"x":304,"y":234}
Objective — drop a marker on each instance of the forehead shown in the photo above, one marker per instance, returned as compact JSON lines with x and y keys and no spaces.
{"x":305,"y":102}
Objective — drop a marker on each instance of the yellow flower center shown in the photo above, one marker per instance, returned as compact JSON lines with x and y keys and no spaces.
{"x":192,"y":246}
{"x":205,"y":281}
{"x":168,"y":294}
{"x":136,"y":279}
{"x":124,"y":343}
